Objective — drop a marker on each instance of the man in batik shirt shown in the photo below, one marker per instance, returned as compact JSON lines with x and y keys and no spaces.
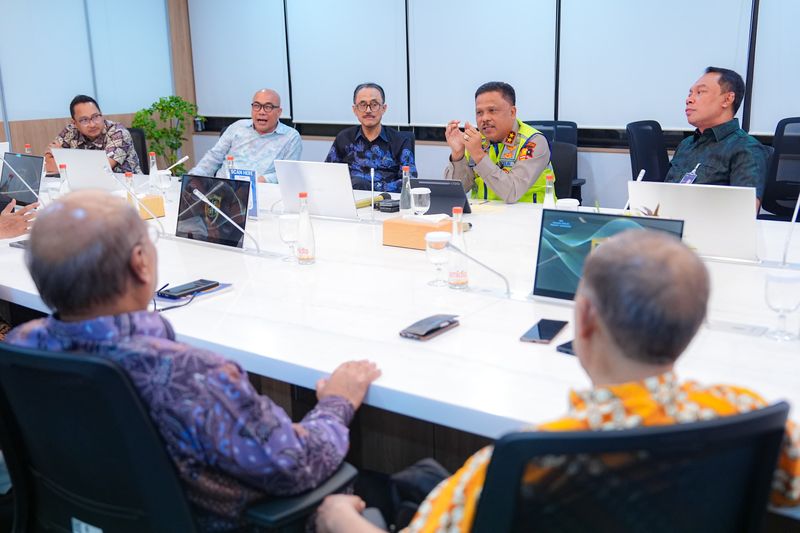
{"x":94,"y":263}
{"x":373,"y":146}
{"x":90,"y":131}
{"x":642,"y":298}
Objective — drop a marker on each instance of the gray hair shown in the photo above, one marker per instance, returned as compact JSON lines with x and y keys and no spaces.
{"x":79,"y":253}
{"x":650,"y":291}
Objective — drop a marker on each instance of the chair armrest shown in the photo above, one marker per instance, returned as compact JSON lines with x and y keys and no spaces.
{"x":577,"y":182}
{"x":278,"y":512}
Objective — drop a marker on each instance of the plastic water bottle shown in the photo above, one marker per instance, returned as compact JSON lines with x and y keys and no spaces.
{"x":229,"y":166}
{"x":457,"y":274}
{"x":549,"y":192}
{"x":153,"y":176}
{"x":60,"y":187}
{"x":304,"y":248}
{"x":28,"y":149}
{"x":129,"y":184}
{"x":405,"y":192}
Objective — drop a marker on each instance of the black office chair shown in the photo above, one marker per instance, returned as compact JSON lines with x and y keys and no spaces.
{"x":706,"y":476}
{"x":564,"y":158}
{"x":782,"y":184}
{"x":410,"y":136}
{"x":140,"y":146}
{"x":80,"y":445}
{"x":648,"y":150}
{"x":567,"y":132}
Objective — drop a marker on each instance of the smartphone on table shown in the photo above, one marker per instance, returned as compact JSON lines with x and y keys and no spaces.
{"x":543,"y":331}
{"x":187,"y":289}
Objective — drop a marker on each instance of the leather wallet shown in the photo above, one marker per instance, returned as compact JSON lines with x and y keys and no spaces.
{"x":427,"y":328}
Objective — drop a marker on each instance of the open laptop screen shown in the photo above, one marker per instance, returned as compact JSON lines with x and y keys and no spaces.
{"x":566,"y":239}
{"x":30,"y":167}
{"x":199,"y":221}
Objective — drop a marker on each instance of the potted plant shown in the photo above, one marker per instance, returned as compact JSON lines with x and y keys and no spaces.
{"x":164,"y":124}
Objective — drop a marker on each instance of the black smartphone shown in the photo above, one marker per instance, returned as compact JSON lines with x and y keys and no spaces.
{"x":429,"y":327}
{"x":187,"y":289}
{"x":19,"y":244}
{"x":543,"y":331}
{"x":566,"y":348}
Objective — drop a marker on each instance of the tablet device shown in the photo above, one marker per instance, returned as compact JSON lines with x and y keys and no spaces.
{"x":445,"y":195}
{"x":31,"y":168}
{"x":199,"y":221}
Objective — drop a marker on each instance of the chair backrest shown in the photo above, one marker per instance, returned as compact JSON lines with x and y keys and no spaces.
{"x":80,"y":445}
{"x":706,"y":476}
{"x":410,"y":136}
{"x":783,"y":172}
{"x":564,"y":158}
{"x":140,"y":145}
{"x":557,"y":130}
{"x":648,"y":150}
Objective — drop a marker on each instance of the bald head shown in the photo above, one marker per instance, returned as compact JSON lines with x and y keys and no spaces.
{"x":265,"y":120}
{"x":80,"y":250}
{"x":650,"y":292}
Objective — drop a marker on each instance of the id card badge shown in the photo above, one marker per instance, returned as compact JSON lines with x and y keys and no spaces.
{"x":690,"y":176}
{"x":252,"y":202}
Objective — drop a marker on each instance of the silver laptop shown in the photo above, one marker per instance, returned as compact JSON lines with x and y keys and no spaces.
{"x":329,"y":188}
{"x":86,"y":169}
{"x":720,"y":220}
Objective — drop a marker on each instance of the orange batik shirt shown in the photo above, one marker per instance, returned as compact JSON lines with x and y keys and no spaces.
{"x":654,"y":401}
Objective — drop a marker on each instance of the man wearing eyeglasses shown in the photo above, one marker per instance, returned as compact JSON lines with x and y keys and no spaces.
{"x":254,"y":143}
{"x":90,"y":131}
{"x":370,"y":145}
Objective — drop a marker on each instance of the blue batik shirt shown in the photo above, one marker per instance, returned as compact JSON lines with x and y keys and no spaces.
{"x":387,"y":154}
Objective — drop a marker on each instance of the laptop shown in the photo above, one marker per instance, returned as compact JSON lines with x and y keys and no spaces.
{"x":86,"y":169}
{"x":198,"y":221}
{"x":720,"y":220}
{"x":31,"y":168}
{"x":329,"y":188}
{"x":445,"y":195}
{"x":567,"y":237}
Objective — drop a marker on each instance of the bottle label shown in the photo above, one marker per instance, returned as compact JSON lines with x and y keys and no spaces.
{"x":458,"y":278}
{"x":304,"y":255}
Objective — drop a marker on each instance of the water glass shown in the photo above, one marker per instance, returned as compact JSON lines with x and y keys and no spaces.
{"x":288,"y":226}
{"x":420,"y":200}
{"x":783,"y":297}
{"x":438,"y":254}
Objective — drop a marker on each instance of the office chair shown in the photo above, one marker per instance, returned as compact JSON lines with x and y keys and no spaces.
{"x":410,"y":136}
{"x":564,"y":158}
{"x":714,"y":475}
{"x":80,"y":445}
{"x":140,"y":146}
{"x":648,"y":150}
{"x":564,"y":131}
{"x":782,"y":184}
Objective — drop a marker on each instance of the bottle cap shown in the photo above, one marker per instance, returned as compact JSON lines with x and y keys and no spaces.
{"x":229,"y":158}
{"x":129,"y":174}
{"x":302,"y":195}
{"x":406,"y":168}
{"x":27,"y":145}
{"x":62,"y":165}
{"x":152,"y":154}
{"x":550,"y":177}
{"x":458,"y":210}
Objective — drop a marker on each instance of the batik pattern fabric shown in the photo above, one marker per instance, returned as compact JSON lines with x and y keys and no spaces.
{"x":231,"y":446}
{"x":388,"y":153}
{"x":660,"y":400}
{"x":115,"y":141}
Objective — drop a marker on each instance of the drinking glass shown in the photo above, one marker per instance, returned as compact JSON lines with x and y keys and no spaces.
{"x":164,"y":182}
{"x":420,"y":200}
{"x":783,"y":297}
{"x":438,"y":254}
{"x":288,"y":225}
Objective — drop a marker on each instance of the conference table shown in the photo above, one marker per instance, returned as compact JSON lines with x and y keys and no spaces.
{"x":296,"y":323}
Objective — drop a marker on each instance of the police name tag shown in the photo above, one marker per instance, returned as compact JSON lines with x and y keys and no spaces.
{"x":248,"y":175}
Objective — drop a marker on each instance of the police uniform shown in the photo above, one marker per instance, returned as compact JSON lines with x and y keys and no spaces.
{"x":514,"y":170}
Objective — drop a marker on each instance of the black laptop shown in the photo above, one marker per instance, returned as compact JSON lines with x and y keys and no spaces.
{"x":445,"y":195}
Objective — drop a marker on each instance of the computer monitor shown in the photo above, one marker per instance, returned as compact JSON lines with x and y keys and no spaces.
{"x":567,"y":237}
{"x":31,"y":168}
{"x":445,"y":195}
{"x":720,"y":220}
{"x":199,"y":221}
{"x":329,"y":188}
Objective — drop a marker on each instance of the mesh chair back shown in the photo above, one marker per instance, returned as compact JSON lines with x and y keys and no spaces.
{"x":80,"y":445}
{"x":705,"y":476}
{"x":648,"y":150}
{"x":783,"y":174}
{"x":564,"y":158}
{"x":140,"y":146}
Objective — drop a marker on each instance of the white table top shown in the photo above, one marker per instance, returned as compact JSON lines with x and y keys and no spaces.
{"x":296,"y":323}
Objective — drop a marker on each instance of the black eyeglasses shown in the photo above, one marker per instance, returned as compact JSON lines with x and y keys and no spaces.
{"x":97,"y":118}
{"x":269,"y":108}
{"x":373,"y":105}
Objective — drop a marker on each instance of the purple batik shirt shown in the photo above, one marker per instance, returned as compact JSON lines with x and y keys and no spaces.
{"x":230,"y":444}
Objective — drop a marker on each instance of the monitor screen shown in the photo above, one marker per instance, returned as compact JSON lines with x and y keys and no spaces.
{"x":566,"y":239}
{"x":199,"y":221}
{"x":30,"y":167}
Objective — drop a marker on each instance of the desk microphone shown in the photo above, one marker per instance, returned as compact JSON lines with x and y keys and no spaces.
{"x":366,"y":202}
{"x":456,"y":249}
{"x":792,"y":224}
{"x":139,"y":203}
{"x":628,"y":202}
{"x":206,"y":201}
{"x":25,"y":182}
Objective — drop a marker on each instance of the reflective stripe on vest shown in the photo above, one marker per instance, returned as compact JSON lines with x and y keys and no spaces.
{"x":506,"y":156}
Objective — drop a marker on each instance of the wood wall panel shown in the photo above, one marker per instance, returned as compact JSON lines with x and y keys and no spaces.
{"x":182,"y":67}
{"x":2,"y":132}
{"x":40,"y":133}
